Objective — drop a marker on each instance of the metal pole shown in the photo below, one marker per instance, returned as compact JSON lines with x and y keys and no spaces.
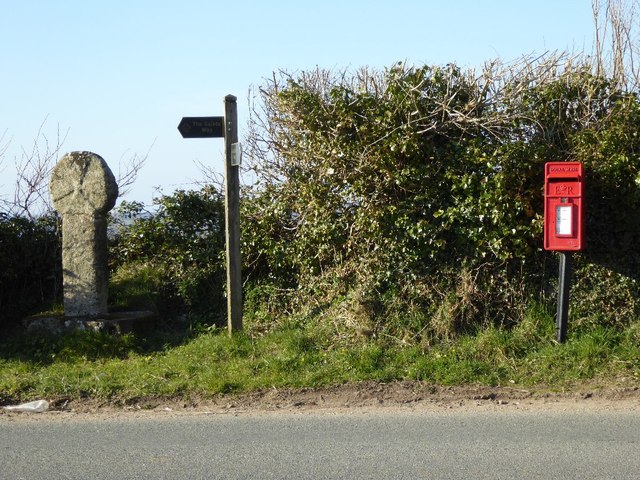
{"x":232,"y":218}
{"x":564,"y":283}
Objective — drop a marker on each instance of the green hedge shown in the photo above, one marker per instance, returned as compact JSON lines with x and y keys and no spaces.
{"x":30,"y":266}
{"x":418,"y":191}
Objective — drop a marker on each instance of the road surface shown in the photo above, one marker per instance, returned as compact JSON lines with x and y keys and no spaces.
{"x":367,"y":444}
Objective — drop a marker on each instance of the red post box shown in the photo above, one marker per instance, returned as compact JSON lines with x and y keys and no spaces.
{"x":563,"y":206}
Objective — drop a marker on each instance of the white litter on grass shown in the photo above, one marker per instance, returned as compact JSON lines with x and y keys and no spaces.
{"x":38,"y":406}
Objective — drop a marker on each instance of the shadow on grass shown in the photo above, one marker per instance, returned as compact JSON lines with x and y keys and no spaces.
{"x":45,"y":349}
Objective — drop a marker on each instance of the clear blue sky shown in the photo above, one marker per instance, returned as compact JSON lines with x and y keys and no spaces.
{"x":119,"y":74}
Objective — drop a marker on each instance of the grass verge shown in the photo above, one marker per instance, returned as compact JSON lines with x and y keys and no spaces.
{"x":126,"y":368}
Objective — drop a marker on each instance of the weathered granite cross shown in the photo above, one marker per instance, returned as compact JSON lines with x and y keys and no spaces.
{"x":83,"y":190}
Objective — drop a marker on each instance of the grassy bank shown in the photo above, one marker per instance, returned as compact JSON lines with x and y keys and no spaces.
{"x":127,"y":368}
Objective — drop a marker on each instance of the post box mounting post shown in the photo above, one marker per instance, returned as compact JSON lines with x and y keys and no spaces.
{"x":564,"y":282}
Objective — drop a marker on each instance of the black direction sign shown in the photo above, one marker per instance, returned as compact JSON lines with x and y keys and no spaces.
{"x":201,"y":127}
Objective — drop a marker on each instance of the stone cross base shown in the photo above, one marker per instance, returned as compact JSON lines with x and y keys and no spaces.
{"x":137,"y":322}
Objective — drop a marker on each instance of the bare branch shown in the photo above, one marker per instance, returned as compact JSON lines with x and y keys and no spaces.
{"x":33,"y":169}
{"x":3,"y":150}
{"x":128,"y":170}
{"x":209,"y":176}
{"x":616,"y":41}
{"x":3,"y":147}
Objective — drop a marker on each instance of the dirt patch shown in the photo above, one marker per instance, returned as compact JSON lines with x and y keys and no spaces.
{"x":363,"y":397}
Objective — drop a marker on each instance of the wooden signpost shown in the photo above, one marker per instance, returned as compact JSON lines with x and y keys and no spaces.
{"x":227,"y":127}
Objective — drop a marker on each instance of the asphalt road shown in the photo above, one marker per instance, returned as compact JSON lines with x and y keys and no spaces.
{"x":371,"y":445}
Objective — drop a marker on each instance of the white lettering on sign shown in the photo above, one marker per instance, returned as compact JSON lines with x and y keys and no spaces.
{"x":564,"y":220}
{"x":563,"y":169}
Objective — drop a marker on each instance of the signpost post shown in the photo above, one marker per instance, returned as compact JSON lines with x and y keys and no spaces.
{"x":232,"y":215}
{"x":227,"y":127}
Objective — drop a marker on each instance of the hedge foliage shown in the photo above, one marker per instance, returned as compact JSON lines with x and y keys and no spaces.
{"x":417,"y":192}
{"x":30,"y":266}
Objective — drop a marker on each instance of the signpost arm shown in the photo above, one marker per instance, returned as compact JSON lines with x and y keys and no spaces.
{"x":232,"y":218}
{"x":564,"y":280}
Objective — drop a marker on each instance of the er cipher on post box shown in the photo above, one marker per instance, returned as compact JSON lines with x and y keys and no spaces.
{"x":563,"y":206}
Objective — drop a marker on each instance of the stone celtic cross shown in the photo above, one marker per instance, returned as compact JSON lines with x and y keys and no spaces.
{"x":83,"y":190}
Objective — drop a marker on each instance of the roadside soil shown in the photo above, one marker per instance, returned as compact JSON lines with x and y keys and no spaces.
{"x":357,"y":398}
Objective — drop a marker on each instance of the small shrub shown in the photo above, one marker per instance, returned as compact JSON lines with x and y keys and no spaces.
{"x":173,"y":256}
